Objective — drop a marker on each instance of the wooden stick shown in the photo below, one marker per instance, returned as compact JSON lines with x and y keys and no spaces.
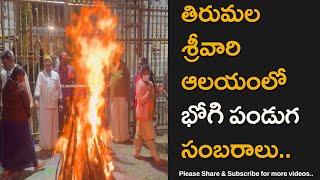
{"x":67,"y":153}
{"x":74,"y":149}
{"x":65,"y":171}
{"x":91,"y":171}
{"x":100,"y":164}
{"x":103,"y":145}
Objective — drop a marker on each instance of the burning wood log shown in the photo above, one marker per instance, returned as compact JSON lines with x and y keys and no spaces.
{"x":65,"y":158}
{"x":83,"y":143}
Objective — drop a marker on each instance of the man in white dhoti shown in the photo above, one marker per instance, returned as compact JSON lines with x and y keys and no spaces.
{"x":119,"y":96}
{"x":48,"y":91}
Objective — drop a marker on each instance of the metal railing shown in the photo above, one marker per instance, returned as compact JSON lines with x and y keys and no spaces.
{"x":32,"y":28}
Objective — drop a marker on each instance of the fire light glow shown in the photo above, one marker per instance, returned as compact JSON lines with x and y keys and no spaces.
{"x":84,"y":140}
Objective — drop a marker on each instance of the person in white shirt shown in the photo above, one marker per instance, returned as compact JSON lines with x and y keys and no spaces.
{"x":8,"y":64}
{"x":48,"y":92}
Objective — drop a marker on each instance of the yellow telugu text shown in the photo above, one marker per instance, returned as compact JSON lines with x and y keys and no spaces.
{"x":232,"y":48}
{"x":269,"y":82}
{"x":227,"y":15}
{"x":233,"y":150}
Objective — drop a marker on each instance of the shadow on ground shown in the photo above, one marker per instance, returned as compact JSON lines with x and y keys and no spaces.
{"x":20,"y":175}
{"x":163,"y":168}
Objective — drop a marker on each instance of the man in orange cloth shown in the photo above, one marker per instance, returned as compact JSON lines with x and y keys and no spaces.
{"x":145,"y":131}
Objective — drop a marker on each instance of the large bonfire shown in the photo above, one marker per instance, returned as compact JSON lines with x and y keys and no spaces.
{"x":84,"y":140}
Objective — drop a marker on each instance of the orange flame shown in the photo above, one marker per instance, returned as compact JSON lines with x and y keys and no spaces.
{"x":84,"y":140}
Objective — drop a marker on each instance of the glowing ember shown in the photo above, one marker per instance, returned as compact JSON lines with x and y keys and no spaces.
{"x":84,"y":140}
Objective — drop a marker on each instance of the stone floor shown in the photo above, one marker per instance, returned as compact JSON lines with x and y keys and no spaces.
{"x":126,"y":166}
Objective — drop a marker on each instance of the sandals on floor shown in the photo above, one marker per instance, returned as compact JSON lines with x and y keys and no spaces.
{"x":139,"y":157}
{"x":161,"y":162}
{"x":39,"y":166}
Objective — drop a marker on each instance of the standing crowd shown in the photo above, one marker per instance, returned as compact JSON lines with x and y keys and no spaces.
{"x":53,"y":101}
{"x":17,"y":146}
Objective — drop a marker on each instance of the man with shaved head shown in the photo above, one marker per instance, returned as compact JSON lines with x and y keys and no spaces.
{"x":67,"y":76}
